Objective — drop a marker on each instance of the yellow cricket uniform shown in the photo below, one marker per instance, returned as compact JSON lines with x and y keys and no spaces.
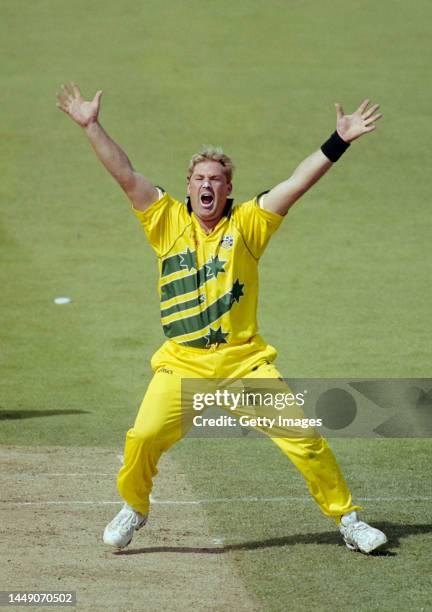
{"x":208,"y":291}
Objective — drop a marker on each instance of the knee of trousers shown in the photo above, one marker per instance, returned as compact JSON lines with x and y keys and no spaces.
{"x":141,"y":436}
{"x":307,"y":448}
{"x":151,"y":436}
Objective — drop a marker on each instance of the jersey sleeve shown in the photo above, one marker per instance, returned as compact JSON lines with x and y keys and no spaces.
{"x":163,"y":222}
{"x":256,"y":225}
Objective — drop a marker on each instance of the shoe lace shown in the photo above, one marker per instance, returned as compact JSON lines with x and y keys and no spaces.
{"x":358,"y":529}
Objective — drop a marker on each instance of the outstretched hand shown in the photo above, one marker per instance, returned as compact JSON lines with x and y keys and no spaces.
{"x":350,"y":127}
{"x":71,"y":102}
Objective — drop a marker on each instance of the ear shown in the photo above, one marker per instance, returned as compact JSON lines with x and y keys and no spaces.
{"x":229,"y":188}
{"x":188,"y":185}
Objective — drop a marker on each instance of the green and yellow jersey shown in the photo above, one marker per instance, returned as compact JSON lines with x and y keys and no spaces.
{"x":208,"y":283}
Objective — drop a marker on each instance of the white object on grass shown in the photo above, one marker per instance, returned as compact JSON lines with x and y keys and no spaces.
{"x":62,"y":300}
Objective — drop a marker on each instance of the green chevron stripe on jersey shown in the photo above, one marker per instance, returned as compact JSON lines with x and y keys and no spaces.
{"x":165,"y":312}
{"x":179,"y":262}
{"x":213,"y":336}
{"x":212,"y":313}
{"x":193,"y":281}
{"x":200,"y":342}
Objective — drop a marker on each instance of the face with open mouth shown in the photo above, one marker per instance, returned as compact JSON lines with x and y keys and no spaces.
{"x":208,"y":189}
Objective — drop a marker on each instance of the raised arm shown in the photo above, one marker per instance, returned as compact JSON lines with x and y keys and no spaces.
{"x":139,"y":190}
{"x":348,"y":128}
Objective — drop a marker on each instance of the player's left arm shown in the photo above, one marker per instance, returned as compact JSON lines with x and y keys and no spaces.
{"x":348,"y":128}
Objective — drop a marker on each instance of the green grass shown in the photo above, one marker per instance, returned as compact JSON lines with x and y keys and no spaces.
{"x":289,"y":552}
{"x":345,"y":282}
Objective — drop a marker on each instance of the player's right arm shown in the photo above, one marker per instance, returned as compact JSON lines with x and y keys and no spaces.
{"x":141,"y":192}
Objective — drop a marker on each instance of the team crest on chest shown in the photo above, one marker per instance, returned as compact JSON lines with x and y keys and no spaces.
{"x":227,"y":241}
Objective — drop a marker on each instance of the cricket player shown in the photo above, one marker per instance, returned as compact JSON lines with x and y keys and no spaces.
{"x":208,"y":252}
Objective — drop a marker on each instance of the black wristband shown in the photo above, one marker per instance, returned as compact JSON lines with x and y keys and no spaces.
{"x":334,"y":147}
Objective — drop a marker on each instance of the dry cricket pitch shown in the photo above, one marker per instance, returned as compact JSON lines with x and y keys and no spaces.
{"x":55,"y":503}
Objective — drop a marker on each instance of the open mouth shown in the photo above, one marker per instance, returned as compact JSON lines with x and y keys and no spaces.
{"x":206,"y":199}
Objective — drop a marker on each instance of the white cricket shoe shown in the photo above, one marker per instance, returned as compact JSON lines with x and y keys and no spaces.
{"x":359,"y":535}
{"x":120,"y":531}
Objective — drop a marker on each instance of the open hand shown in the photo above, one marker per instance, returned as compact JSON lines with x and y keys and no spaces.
{"x":71,"y":102}
{"x":350,"y":127}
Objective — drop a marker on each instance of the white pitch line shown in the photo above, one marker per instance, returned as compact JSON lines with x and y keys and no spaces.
{"x":62,"y":503}
{"x":57,"y":474}
{"x":80,"y":474}
{"x":219,"y":500}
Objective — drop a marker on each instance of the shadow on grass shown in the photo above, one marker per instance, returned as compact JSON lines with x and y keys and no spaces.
{"x":393,"y":531}
{"x":9,"y":415}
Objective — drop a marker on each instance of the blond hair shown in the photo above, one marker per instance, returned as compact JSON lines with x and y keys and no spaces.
{"x":211,"y":153}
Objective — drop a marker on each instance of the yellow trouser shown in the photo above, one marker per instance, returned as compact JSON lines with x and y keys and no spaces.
{"x":161,"y":422}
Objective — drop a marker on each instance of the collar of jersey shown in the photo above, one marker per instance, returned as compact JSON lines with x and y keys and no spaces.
{"x":215,"y":231}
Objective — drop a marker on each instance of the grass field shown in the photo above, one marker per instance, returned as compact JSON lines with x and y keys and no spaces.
{"x":345,"y":282}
